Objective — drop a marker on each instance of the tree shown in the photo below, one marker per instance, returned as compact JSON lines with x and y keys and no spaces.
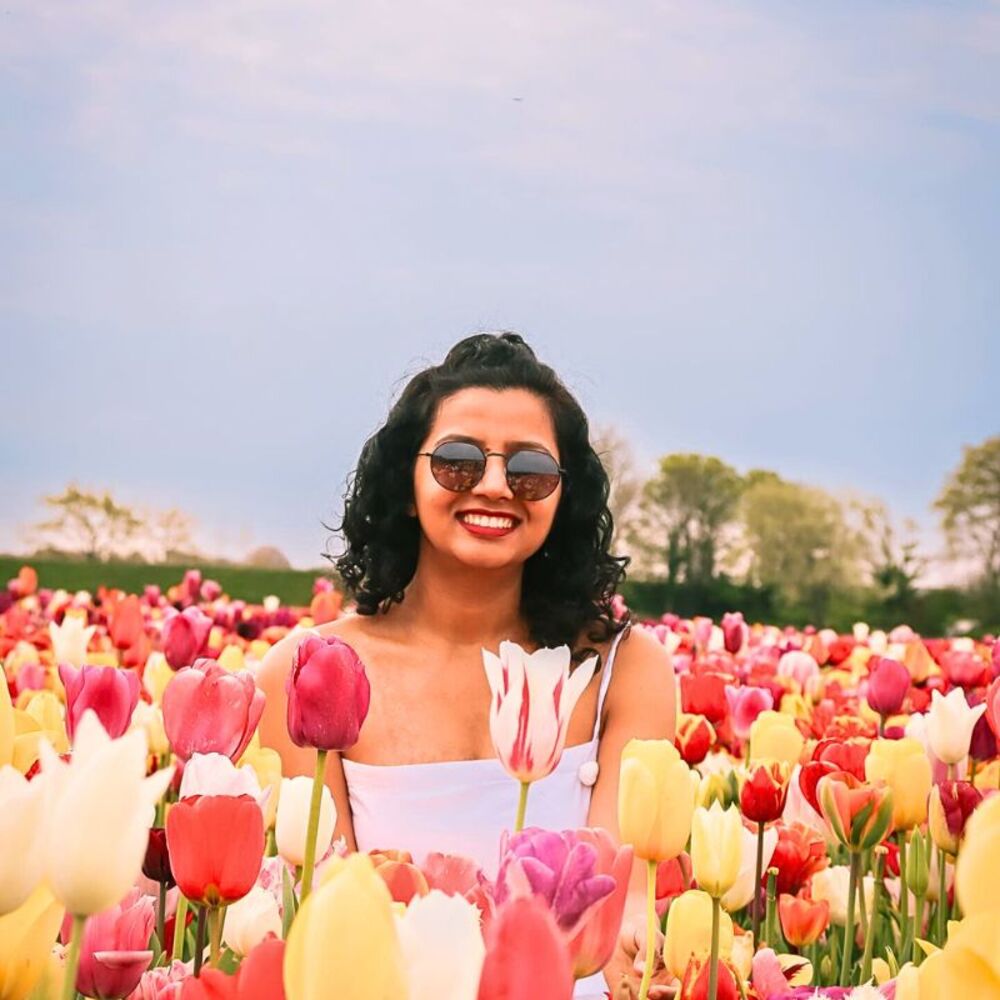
{"x":892,"y":555}
{"x":969,"y":505}
{"x":92,"y":523}
{"x":619,"y":462}
{"x":683,"y":514}
{"x":800,"y":543}
{"x":268,"y":557}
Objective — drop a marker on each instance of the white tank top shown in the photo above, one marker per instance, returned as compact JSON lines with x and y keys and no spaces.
{"x":462,"y":806}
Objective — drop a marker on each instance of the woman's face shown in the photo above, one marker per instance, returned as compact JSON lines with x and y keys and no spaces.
{"x":505,"y":421}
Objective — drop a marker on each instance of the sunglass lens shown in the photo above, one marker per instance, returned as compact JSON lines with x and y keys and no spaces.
{"x":457,"y":465}
{"x":532,"y":475}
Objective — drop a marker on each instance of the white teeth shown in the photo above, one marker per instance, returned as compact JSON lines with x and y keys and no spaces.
{"x":488,"y":522}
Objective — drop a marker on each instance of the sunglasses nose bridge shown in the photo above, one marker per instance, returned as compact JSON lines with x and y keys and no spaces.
{"x":494,"y":481}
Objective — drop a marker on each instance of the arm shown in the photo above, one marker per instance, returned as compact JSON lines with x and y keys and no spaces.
{"x":274,"y":733}
{"x":640,"y":704}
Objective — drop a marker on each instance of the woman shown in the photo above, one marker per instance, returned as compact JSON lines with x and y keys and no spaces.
{"x":478,"y":513}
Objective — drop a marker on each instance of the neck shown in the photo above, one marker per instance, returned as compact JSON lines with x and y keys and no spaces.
{"x":468,"y":605}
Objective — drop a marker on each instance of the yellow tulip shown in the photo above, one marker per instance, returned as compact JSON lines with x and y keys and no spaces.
{"x":156,"y":676}
{"x":905,"y":768}
{"x":6,"y":723}
{"x":968,"y":965}
{"x":977,"y":875}
{"x":26,"y":939}
{"x":716,"y":848}
{"x":774,"y":735}
{"x":795,"y":705}
{"x":266,"y":764}
{"x":46,"y":709}
{"x":259,"y":648}
{"x":231,"y":658}
{"x":689,"y":931}
{"x":345,"y":934}
{"x":656,"y":794}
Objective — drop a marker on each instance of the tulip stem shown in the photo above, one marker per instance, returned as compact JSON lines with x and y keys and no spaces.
{"x":199,"y":941}
{"x":73,"y":958}
{"x":904,"y":898}
{"x":314,"y":808}
{"x":180,"y":929}
{"x":916,"y":952}
{"x":942,"y":910}
{"x":866,"y":962}
{"x":215,"y":934}
{"x":758,"y":875}
{"x":852,"y":888}
{"x":713,"y":961}
{"x":161,"y":916}
{"x":651,"y":925}
{"x":522,"y":806}
{"x":771,"y":920}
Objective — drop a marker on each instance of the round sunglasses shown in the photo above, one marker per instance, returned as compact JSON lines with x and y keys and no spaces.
{"x":459,"y":465}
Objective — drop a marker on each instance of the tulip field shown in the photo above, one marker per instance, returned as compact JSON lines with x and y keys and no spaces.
{"x":824,"y":824}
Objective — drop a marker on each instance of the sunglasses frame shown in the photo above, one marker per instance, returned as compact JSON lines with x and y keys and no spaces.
{"x":506,"y":468}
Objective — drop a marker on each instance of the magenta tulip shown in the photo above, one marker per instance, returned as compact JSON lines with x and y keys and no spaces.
{"x":113,"y":954}
{"x":745,"y":704}
{"x":184,"y":636}
{"x":207,"y":709}
{"x":734,"y":631}
{"x":110,"y":692}
{"x":328,"y":694}
{"x":888,"y":682}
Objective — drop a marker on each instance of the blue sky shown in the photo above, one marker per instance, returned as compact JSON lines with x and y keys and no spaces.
{"x":768,"y":231}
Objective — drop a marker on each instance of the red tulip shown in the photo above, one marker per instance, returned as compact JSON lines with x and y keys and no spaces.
{"x":803,"y":920}
{"x":526,"y":954}
{"x":403,"y":879}
{"x":965,"y":669}
{"x":113,"y":954}
{"x":259,"y":977}
{"x":207,"y":709}
{"x":594,"y":944}
{"x":328,"y":694}
{"x":695,"y":983}
{"x":951,"y":805}
{"x":845,"y":754}
{"x":762,"y":797}
{"x":673,"y":878}
{"x":809,"y":775}
{"x":156,"y":863}
{"x":695,"y":737}
{"x":798,"y":855}
{"x":184,"y":636}
{"x":993,"y":703}
{"x":112,"y":693}
{"x":126,"y":623}
{"x":216,"y":845}
{"x":888,"y":682}
{"x":704,"y":694}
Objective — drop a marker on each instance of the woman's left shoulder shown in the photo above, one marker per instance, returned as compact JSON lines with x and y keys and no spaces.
{"x":642,"y":665}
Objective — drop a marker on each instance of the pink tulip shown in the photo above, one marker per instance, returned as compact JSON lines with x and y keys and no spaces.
{"x":745,"y":704}
{"x":328,"y":694}
{"x":799,"y":665}
{"x":965,"y":669}
{"x":113,"y":953}
{"x":184,"y":636}
{"x":993,"y":704}
{"x":207,"y":709}
{"x":112,"y":693}
{"x":161,"y":983}
{"x":888,"y":682}
{"x":734,"y":632}
{"x":526,"y":955}
{"x":559,"y":867}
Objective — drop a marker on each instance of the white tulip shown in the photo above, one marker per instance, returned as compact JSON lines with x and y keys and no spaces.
{"x":216,"y":774}
{"x":442,"y":947}
{"x":21,"y":819}
{"x":742,"y":891}
{"x":292,"y":822}
{"x":249,"y":920}
{"x":70,"y":640}
{"x":950,"y":722}
{"x":98,"y":810}
{"x":878,"y":642}
{"x":149,"y":719}
{"x":832,"y":885}
{"x":861,"y":631}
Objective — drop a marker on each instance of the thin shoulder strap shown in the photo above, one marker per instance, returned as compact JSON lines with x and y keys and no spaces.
{"x":606,"y":679}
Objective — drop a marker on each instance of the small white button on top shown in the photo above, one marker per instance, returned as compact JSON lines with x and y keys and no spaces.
{"x":588,"y":772}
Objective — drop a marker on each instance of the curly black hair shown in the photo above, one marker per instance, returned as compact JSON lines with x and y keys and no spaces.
{"x":568,"y":584}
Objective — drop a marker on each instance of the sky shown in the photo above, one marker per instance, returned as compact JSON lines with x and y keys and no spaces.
{"x":230,"y":231}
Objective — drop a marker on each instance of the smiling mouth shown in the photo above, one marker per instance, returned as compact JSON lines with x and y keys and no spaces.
{"x":494,"y":522}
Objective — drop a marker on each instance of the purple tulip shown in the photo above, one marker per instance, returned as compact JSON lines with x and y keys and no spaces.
{"x":559,"y":867}
{"x":110,"y":692}
{"x":888,"y":682}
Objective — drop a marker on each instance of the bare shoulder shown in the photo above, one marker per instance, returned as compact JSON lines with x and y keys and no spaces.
{"x":643,"y":675}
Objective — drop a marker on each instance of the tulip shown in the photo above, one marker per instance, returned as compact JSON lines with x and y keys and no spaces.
{"x":799,"y":666}
{"x":763,"y":793}
{"x":993,"y":697}
{"x":209,"y":710}
{"x":775,"y":736}
{"x":404,"y":880}
{"x":266,"y":765}
{"x":803,"y":920}
{"x":799,"y":853}
{"x":951,"y":805}
{"x":112,"y":693}
{"x":215,"y":774}
{"x":983,"y":745}
{"x":532,"y":700}
{"x":156,"y":863}
{"x":21,"y":821}
{"x":113,"y":953}
{"x":845,"y":754}
{"x":156,"y":675}
{"x":292,"y":825}
{"x":745,"y":704}
{"x":859,"y":815}
{"x":526,"y":955}
{"x":888,"y":683}
{"x":704,"y":694}
{"x":149,"y":719}
{"x":249,"y":920}
{"x":184,"y":636}
{"x":716,"y":841}
{"x":27,"y":935}
{"x":717,"y":787}
{"x":556,"y":866}
{"x":71,"y":638}
{"x":126,"y":624}
{"x":832,"y":885}
{"x":688,"y":933}
{"x":162,"y":982}
{"x":216,"y":845}
{"x":747,"y":884}
{"x":695,"y":736}
{"x":697,"y":983}
{"x":344,"y":938}
{"x":442,"y":948}
{"x":950,"y":722}
{"x":734,"y":632}
{"x":905,"y":769}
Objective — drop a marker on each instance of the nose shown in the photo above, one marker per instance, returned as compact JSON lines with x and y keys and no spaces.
{"x":494,"y":481}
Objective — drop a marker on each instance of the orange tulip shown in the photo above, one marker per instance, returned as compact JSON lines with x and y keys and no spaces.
{"x":803,"y":920}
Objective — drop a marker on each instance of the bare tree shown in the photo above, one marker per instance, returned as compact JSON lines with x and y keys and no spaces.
{"x":90,"y":522}
{"x":619,"y":462}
